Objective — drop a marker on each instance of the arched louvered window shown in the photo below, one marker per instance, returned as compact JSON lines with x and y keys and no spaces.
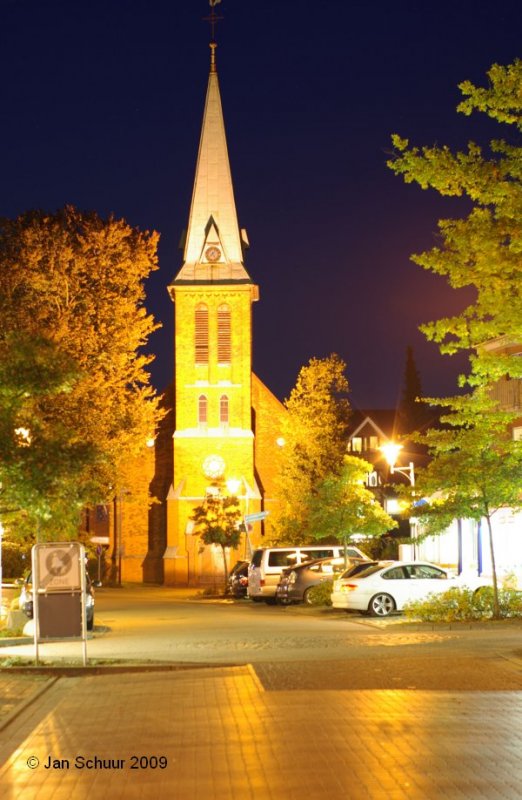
{"x":201,"y":334}
{"x":223,"y":409}
{"x":202,"y":409}
{"x":224,"y":343}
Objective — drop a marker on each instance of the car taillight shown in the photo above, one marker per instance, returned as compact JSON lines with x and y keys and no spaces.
{"x":292,"y":577}
{"x":348,"y":587}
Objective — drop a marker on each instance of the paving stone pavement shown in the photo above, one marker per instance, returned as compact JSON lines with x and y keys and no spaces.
{"x":224,"y":736}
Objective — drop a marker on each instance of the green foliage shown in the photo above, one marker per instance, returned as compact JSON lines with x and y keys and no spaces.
{"x":342,"y":506}
{"x":476,"y":468}
{"x":41,"y":457}
{"x":315,"y":432}
{"x":320,"y":595}
{"x":217,"y":521}
{"x":465,"y":605}
{"x":72,"y":323}
{"x":484,"y":249}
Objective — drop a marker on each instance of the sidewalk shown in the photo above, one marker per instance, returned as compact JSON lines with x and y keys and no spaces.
{"x":215,"y":734}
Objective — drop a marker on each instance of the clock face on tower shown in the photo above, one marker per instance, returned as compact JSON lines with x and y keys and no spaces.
{"x":213,"y":467}
{"x":213,"y":254}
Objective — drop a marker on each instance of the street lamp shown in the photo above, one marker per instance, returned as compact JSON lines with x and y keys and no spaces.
{"x":234,"y":486}
{"x":391,"y":451}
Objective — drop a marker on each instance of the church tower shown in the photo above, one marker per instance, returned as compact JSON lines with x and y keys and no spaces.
{"x":213,"y":296}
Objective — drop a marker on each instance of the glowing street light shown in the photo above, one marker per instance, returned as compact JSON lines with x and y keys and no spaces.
{"x":391,"y":451}
{"x":233,"y":486}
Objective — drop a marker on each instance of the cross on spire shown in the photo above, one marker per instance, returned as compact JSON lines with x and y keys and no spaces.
{"x":213,"y":18}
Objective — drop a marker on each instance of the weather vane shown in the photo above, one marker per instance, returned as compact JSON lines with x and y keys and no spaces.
{"x":213,"y":18}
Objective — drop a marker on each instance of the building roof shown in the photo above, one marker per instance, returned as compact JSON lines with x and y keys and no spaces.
{"x":214,"y":242}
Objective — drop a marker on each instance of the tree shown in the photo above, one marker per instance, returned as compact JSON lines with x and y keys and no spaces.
{"x":41,"y":460}
{"x":76,"y":281}
{"x":343,"y":507}
{"x":217,"y":521}
{"x":476,"y":469}
{"x":484,"y":249}
{"x":412,"y":412}
{"x":315,"y":434}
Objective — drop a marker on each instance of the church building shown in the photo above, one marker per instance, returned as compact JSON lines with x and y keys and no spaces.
{"x":224,"y":423}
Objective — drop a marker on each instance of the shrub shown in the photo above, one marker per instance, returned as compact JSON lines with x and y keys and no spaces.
{"x":320,"y":595}
{"x":464,"y":605}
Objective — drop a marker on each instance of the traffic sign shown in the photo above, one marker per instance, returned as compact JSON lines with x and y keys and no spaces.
{"x":58,"y":566}
{"x":256,"y":517}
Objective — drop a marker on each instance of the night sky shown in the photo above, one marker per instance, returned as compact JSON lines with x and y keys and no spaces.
{"x":102,"y":105}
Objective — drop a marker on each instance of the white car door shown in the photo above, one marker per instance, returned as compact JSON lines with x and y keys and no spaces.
{"x":426,"y":579}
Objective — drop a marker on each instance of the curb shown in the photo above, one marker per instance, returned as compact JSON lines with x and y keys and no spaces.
{"x":38,"y":692}
{"x":70,"y":671}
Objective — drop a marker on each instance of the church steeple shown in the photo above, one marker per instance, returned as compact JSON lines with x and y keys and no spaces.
{"x":214,"y":242}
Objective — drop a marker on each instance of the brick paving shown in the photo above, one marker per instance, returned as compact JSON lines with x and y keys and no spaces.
{"x":224,"y":736}
{"x":18,"y":690}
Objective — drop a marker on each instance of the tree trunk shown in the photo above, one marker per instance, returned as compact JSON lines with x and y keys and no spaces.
{"x":345,"y":552}
{"x":225,"y":569}
{"x":496,"y":605}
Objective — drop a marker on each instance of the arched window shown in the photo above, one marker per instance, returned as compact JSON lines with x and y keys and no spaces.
{"x":202,"y":409}
{"x":224,"y":343}
{"x":201,"y":334}
{"x":223,"y":409}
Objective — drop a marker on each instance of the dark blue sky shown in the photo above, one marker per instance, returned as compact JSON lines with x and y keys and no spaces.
{"x":102,"y":105}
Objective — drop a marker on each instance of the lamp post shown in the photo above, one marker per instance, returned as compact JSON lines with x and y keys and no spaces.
{"x":234,"y":486}
{"x":391,"y":451}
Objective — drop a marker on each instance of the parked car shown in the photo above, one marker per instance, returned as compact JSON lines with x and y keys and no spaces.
{"x":25,"y":600}
{"x":296,"y":583}
{"x":238,"y":579}
{"x":382,"y":587}
{"x":267,"y":564}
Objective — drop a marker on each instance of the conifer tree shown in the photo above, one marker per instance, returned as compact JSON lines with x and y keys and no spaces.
{"x":411,"y":410}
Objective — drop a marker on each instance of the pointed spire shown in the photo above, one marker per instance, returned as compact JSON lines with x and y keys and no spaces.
{"x":213,"y":245}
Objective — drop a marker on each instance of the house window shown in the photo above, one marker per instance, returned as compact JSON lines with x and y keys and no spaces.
{"x":373,"y":443}
{"x":202,"y":409}
{"x":223,"y":409}
{"x":373,"y":479}
{"x":517,"y":434}
{"x":356,"y":444}
{"x":201,"y":334}
{"x":224,"y":343}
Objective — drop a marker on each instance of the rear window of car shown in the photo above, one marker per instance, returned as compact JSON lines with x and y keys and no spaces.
{"x":362,"y":570}
{"x":282,"y":558}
